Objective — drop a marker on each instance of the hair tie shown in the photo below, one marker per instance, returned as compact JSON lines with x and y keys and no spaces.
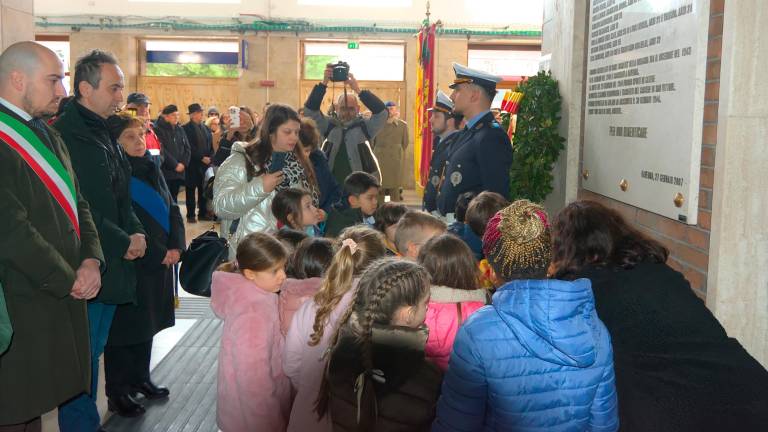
{"x":543,"y":217}
{"x":351,"y":243}
{"x":235,"y":265}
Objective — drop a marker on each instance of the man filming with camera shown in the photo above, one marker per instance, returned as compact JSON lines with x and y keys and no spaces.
{"x":347,"y":134}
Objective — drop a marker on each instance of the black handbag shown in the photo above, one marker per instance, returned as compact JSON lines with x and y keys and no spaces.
{"x":200,"y":260}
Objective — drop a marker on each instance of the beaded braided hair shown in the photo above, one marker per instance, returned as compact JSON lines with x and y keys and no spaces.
{"x":517,"y":241}
{"x":348,"y":262}
{"x":386,"y":286}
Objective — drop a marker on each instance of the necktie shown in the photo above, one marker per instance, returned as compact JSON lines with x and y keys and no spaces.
{"x":39,"y":124}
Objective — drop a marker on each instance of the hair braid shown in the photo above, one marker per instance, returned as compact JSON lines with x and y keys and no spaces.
{"x":387,"y":285}
{"x":344,"y":267}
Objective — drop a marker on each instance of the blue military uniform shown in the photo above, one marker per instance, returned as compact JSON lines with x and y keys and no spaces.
{"x":440,"y":147}
{"x":479,"y":160}
{"x":436,"y":166}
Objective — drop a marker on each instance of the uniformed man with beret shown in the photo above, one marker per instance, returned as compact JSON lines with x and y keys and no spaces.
{"x":481,"y":157}
{"x":446,"y":126}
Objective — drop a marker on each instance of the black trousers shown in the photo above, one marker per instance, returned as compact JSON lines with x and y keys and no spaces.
{"x":34,"y":425}
{"x":173,"y":187}
{"x":192,"y":185}
{"x":126,"y":366}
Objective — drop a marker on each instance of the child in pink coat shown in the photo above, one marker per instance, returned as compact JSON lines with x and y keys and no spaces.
{"x":253,"y":392}
{"x":455,"y":293}
{"x":308,"y":265}
{"x":306,"y":343}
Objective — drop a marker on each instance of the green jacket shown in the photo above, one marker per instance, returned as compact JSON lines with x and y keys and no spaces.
{"x":48,"y":360}
{"x":6,"y":330}
{"x":104,"y":175}
{"x":340,"y":219}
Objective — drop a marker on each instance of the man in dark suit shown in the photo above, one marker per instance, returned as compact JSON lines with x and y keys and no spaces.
{"x":50,"y":256}
{"x":482,"y":155}
{"x":201,"y":147}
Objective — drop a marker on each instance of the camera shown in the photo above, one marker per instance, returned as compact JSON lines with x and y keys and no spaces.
{"x":339,"y":71}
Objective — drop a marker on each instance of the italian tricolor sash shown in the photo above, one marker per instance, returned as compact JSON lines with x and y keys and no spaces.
{"x":21,"y":138}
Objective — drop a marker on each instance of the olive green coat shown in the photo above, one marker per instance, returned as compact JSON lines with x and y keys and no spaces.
{"x":48,"y":360}
{"x":104,"y":174}
{"x":389,"y":147}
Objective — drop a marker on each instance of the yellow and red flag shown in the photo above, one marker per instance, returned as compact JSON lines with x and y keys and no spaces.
{"x":425,"y":94}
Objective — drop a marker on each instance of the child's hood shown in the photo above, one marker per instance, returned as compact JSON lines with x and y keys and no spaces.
{"x":301,"y":287}
{"x":232,"y":294}
{"x":554,"y":320}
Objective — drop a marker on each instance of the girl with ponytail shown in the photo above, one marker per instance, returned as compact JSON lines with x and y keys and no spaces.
{"x":253,"y":392}
{"x":314,"y":323}
{"x":377,"y":377}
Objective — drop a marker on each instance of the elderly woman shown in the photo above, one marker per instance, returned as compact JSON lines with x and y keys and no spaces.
{"x":127,"y":354}
{"x":676,"y":367}
{"x":247,"y":181}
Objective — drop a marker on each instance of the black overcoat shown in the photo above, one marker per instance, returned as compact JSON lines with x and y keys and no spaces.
{"x":153,"y":311}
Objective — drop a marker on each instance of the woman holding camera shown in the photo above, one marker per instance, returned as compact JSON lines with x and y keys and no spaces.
{"x":246,"y":182}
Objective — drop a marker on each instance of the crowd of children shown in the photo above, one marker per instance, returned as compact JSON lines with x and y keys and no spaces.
{"x":400,"y":323}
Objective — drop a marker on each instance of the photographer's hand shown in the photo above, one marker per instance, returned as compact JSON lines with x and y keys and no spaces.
{"x":353,"y":83}
{"x":327,"y":74}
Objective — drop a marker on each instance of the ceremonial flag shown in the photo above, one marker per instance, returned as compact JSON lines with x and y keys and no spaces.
{"x":425,"y":94}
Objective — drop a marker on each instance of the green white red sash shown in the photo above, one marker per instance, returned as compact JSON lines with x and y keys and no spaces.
{"x":21,"y":138}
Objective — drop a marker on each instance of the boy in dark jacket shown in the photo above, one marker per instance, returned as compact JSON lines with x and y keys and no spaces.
{"x":362,"y":190}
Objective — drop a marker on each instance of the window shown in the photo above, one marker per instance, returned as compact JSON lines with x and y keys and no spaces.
{"x":357,"y":3}
{"x":188,"y":1}
{"x":509,"y":63}
{"x":59,"y":45}
{"x":369,"y":62}
{"x":188,"y":58}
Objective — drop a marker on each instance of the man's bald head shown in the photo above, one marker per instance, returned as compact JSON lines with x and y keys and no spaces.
{"x":23,"y":57}
{"x":348,"y":107}
{"x":30,"y":78}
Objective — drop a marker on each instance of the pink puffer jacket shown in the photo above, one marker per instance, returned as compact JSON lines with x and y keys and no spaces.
{"x":253,"y":392}
{"x":293,"y":294}
{"x":448,"y":308}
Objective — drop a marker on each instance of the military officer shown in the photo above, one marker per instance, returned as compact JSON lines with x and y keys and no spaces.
{"x":446,"y":126}
{"x":480,"y":159}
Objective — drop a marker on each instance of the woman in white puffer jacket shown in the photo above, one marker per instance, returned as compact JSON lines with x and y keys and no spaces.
{"x":245,"y":185}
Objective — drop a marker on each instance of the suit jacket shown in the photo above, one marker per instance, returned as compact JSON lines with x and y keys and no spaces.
{"x":48,"y":360}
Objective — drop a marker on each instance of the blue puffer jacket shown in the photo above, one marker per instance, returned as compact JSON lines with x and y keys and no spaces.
{"x":537,"y":359}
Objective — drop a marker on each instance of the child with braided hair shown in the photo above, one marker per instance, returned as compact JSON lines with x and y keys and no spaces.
{"x":253,"y":392}
{"x":314,"y":323}
{"x":377,"y":378}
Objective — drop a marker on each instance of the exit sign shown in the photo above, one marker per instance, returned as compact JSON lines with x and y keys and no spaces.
{"x":353,"y":45}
